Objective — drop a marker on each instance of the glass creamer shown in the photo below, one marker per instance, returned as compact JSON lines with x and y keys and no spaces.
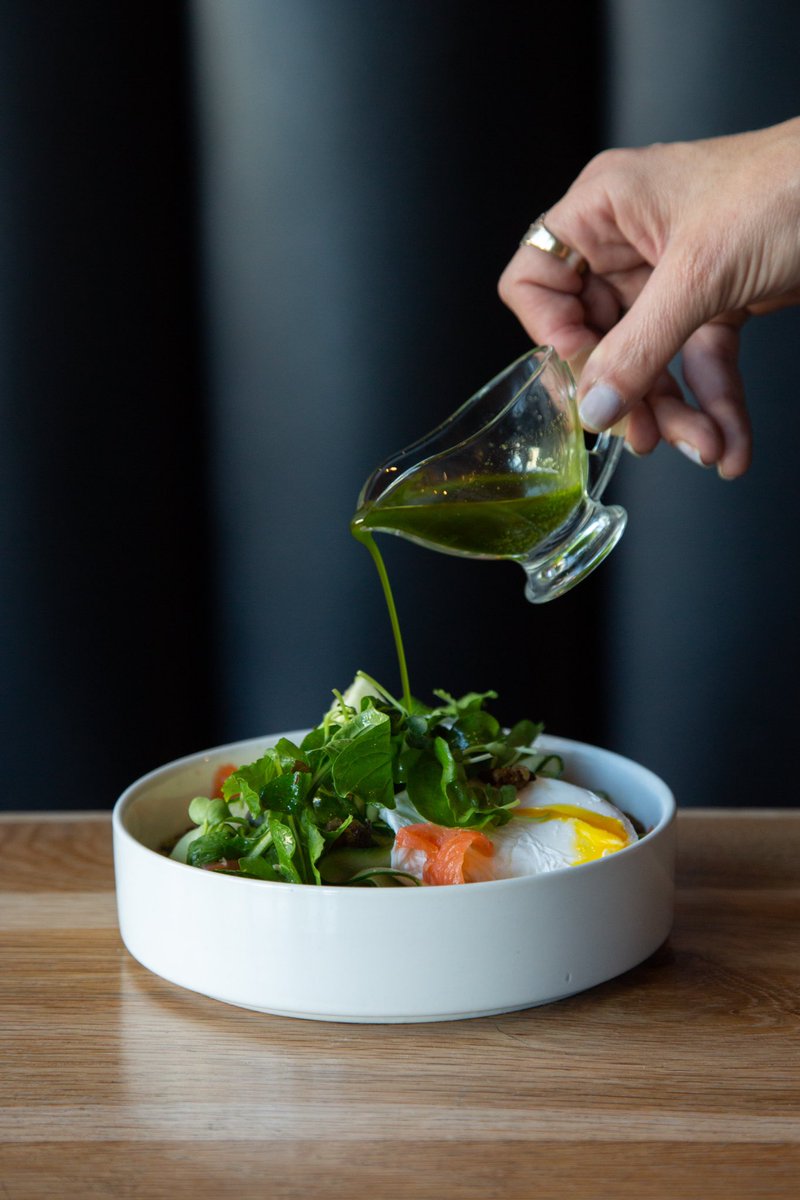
{"x":507,"y":476}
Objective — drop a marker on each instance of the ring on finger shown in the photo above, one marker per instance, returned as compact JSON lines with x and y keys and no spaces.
{"x":540,"y":237}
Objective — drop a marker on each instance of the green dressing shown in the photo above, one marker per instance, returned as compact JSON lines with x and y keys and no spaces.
{"x":362,"y":535}
{"x":495,"y":516}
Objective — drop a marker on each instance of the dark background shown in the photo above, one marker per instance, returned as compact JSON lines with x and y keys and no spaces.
{"x":247,"y":249}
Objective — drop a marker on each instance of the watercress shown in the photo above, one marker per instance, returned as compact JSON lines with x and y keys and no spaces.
{"x":314,"y":813}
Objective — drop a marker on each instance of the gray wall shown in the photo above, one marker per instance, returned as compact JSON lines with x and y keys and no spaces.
{"x":705,"y":685}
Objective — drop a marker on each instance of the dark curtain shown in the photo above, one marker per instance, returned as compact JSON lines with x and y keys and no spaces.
{"x":250,"y":248}
{"x":366,"y":172}
{"x":106,"y":563}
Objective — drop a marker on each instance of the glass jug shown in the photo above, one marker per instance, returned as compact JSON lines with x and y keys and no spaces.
{"x":508,"y":476}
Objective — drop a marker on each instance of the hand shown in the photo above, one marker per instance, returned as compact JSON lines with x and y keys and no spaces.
{"x":683,"y":241}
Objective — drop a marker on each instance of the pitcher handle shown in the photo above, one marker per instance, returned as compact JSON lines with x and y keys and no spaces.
{"x":603,"y":458}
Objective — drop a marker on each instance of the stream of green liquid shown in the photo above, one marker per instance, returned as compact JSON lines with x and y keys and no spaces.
{"x":366,"y":539}
{"x":494,"y":516}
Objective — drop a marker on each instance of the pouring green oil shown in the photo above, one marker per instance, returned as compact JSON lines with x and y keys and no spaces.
{"x":482,"y":516}
{"x":365,"y":537}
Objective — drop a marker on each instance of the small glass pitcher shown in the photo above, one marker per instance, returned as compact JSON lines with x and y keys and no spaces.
{"x":508,"y":476}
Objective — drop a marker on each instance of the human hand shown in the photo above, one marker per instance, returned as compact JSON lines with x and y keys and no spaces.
{"x":683,"y":242}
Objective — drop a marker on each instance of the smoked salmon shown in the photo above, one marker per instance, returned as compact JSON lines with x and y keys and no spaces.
{"x":450,"y":855}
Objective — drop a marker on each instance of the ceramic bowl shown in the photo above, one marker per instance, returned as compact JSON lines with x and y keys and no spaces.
{"x":391,"y":954}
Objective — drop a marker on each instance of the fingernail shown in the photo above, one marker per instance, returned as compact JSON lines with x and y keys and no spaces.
{"x":691,"y":452}
{"x":600,"y":407}
{"x":627,"y":446}
{"x":722,"y":475}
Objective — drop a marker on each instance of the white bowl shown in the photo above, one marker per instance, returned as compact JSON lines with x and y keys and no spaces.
{"x":391,"y":954}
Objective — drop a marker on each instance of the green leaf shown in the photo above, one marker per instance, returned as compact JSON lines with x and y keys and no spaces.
{"x":286,"y":793}
{"x":489,"y":806}
{"x":259,"y":843}
{"x":329,"y":810}
{"x":250,"y":784}
{"x":473,"y":729}
{"x":276,"y":760}
{"x":524,"y":733}
{"x":221,"y":841}
{"x":314,"y":740}
{"x":259,"y":868}
{"x":456,"y":708}
{"x":285,"y":844}
{"x":253,"y":776}
{"x":288,"y":756}
{"x":427,"y":784}
{"x":361,"y":758}
{"x":249,"y":797}
{"x":404,"y":761}
{"x":204,"y":810}
{"x":314,"y":843}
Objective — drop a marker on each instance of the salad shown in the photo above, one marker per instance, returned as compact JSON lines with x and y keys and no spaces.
{"x":387,"y":793}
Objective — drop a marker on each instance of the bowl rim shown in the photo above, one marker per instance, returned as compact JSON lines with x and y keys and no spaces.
{"x":550,"y":742}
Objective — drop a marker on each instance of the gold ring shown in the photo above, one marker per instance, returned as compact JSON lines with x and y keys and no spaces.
{"x":539,"y":235}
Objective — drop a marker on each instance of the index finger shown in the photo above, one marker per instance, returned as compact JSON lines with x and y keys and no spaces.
{"x":544,"y":295}
{"x":545,"y":267}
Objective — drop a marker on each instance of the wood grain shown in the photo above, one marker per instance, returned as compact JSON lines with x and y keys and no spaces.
{"x":681,"y":1078}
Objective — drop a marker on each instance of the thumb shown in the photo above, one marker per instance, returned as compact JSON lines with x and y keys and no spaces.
{"x":628,"y":361}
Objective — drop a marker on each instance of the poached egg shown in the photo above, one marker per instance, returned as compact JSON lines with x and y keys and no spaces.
{"x":556,"y":824}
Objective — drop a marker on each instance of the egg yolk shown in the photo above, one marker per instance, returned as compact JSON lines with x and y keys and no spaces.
{"x":596,"y":834}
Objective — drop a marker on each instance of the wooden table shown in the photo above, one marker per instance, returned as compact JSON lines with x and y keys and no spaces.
{"x":680,"y":1079}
